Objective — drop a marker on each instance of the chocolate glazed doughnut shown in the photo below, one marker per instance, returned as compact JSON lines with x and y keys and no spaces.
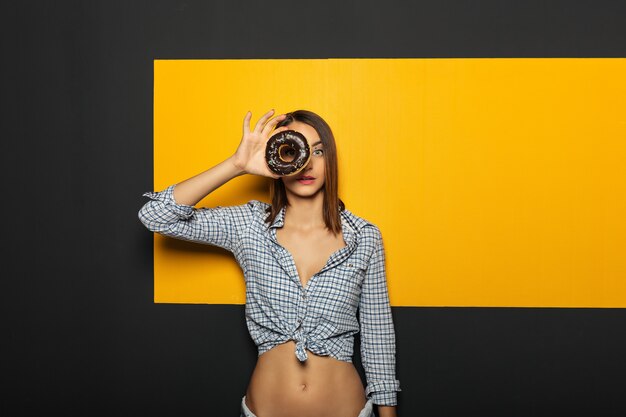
{"x":287,"y":152}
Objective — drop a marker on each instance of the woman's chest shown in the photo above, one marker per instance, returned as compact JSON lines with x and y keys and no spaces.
{"x":310,"y":252}
{"x":334,"y":278}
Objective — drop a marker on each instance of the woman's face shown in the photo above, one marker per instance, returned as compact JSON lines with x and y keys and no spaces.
{"x":315,"y":169}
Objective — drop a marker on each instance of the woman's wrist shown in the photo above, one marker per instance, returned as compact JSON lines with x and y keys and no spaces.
{"x":387,"y":411}
{"x":238,"y":170}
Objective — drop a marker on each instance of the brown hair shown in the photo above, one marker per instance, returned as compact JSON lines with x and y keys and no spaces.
{"x":332,"y":203}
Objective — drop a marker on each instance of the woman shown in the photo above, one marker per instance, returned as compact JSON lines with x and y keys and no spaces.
{"x":309,"y":266}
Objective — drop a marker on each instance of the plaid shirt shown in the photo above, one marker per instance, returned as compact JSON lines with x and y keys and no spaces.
{"x":322,"y":315}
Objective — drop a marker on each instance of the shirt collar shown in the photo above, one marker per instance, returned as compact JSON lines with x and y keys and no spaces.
{"x":279,"y":220}
{"x":348,"y":224}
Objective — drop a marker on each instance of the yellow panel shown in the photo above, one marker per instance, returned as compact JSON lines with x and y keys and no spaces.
{"x":497,"y":182}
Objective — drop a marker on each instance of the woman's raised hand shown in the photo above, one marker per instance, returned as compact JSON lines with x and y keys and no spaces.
{"x":250,"y":155}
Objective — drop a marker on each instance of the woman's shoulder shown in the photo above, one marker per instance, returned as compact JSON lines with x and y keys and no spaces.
{"x":258,"y":207}
{"x":363,"y":226}
{"x":258,"y":204}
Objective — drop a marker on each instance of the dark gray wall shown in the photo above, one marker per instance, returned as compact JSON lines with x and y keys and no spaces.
{"x":80,"y":333}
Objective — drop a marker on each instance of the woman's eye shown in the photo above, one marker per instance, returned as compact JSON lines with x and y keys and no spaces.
{"x":319,"y":152}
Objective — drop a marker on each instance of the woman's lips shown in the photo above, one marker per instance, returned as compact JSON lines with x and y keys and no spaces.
{"x":306,"y":180}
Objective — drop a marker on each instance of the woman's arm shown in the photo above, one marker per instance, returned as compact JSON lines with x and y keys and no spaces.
{"x":248,"y":159}
{"x":387,"y":411}
{"x":171,"y":212}
{"x":194,"y":189}
{"x":378,"y":341}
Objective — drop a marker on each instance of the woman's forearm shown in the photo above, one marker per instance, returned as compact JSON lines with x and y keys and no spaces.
{"x":194,"y":189}
{"x":387,"y":411}
{"x":248,"y":159}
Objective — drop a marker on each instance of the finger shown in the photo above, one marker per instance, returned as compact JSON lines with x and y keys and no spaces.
{"x":246,"y":123}
{"x":272,"y":123}
{"x":275,"y":132}
{"x":280,"y":129}
{"x":274,"y":175}
{"x":259,"y":125}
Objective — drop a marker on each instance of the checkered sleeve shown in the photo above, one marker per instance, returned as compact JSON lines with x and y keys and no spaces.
{"x":219,"y":226}
{"x":378,"y":343}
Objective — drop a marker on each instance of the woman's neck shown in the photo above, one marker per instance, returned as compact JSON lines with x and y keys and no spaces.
{"x":305,"y":212}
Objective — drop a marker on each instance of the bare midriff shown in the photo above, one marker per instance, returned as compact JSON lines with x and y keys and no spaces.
{"x":282,"y":386}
